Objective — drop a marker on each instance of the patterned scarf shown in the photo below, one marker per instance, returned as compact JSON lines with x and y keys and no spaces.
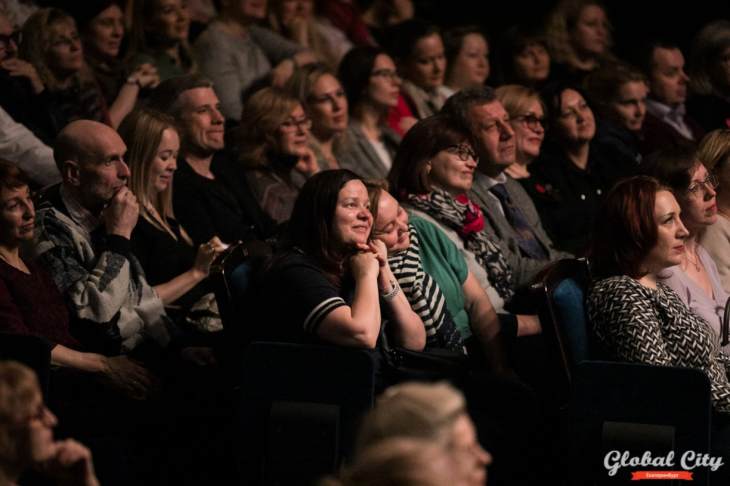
{"x":466,"y":218}
{"x":425,"y":297}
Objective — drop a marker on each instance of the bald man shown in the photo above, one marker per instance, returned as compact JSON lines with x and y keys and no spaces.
{"x":83,"y":230}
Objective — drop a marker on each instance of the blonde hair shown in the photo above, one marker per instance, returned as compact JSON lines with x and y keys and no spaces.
{"x":18,"y":387}
{"x":142,"y":132}
{"x":263,"y":114}
{"x":517,"y":99}
{"x":560,"y":23}
{"x":425,"y":411}
{"x":714,"y":149}
{"x":37,"y":33}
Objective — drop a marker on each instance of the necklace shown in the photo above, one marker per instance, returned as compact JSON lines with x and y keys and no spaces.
{"x":697,"y":264}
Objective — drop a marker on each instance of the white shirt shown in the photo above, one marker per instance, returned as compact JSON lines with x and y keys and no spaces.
{"x":673,"y":117}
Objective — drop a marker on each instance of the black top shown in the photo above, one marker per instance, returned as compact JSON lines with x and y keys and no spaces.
{"x":223,"y":207}
{"x":618,"y":145}
{"x":24,"y":106}
{"x":294,"y":297}
{"x":163,"y":258}
{"x":568,"y":198}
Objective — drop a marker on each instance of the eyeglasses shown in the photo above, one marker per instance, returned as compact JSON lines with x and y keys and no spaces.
{"x":292,"y":125}
{"x":333,"y":98}
{"x":386,"y":73}
{"x":530,"y":121}
{"x":464,"y":152}
{"x":5,"y":40}
{"x":710,"y":182}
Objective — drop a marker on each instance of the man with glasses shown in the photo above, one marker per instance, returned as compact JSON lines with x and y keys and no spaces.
{"x":211,"y":196}
{"x":509,"y":212}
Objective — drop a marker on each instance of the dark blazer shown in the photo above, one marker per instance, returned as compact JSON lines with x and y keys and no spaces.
{"x":224,"y":207}
{"x":659,"y":135}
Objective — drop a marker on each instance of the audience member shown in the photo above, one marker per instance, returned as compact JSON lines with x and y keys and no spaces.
{"x":431,"y":176}
{"x":83,"y":230}
{"x":714,"y":153}
{"x":22,"y":92}
{"x":273,"y":142}
{"x":618,"y":94}
{"x":331,"y":276}
{"x":175,"y":268}
{"x":297,"y":20}
{"x":666,"y":123}
{"x":101,"y":25}
{"x":467,"y":59}
{"x":30,"y":303}
{"x":510,"y":216}
{"x":709,"y":83}
{"x":523,"y":58}
{"x":433,"y":412}
{"x":372,"y":86}
{"x":380,"y":15}
{"x":325,"y":102}
{"x":159,"y":38}
{"x":439,"y":285}
{"x":527,"y":117}
{"x":26,"y":434}
{"x":238,"y":55}
{"x":635,"y":317}
{"x":578,"y":36}
{"x":52,"y":45}
{"x":211,"y":196}
{"x":346,"y":16}
{"x":570,"y":178}
{"x":20,"y":145}
{"x":695,"y":279}
{"x":418,"y":51}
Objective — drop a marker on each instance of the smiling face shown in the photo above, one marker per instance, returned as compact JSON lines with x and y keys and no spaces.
{"x":471,"y":65}
{"x":65,"y":55}
{"x":699,"y":204}
{"x":202,"y":121}
{"x":671,"y":234}
{"x":590,"y":34}
{"x":529,"y":132}
{"x":106,"y":31}
{"x":391,"y":226}
{"x":327,"y":105}
{"x":427,"y":64}
{"x":165,"y":163}
{"x":17,"y":215}
{"x":630,"y":107}
{"x":452,"y":169}
{"x":171,"y":20}
{"x":352,"y":220}
{"x":494,"y":136}
{"x":575,"y":123}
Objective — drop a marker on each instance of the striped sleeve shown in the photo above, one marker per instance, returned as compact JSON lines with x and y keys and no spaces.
{"x":317,"y":315}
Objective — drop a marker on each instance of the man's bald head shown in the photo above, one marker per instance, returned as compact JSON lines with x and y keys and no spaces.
{"x":81,"y":141}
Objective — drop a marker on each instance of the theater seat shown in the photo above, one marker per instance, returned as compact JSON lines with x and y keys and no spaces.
{"x":610,"y":405}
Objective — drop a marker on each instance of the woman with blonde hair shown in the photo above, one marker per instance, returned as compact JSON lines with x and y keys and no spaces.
{"x":324,"y":99}
{"x":527,"y":118}
{"x":172,"y":265}
{"x":578,"y":35}
{"x":52,"y":45}
{"x":26,"y":434}
{"x":714,"y":153}
{"x":273,"y":141}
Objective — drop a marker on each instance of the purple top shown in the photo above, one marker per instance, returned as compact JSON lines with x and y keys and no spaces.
{"x":30,"y":304}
